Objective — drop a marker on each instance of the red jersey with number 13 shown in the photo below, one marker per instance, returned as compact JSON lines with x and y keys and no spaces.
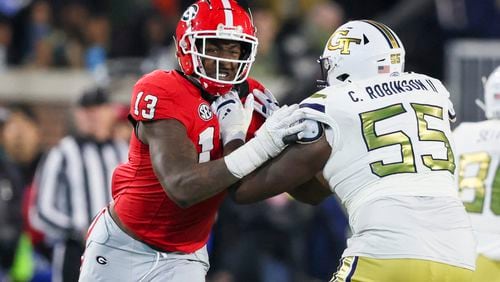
{"x":140,"y":201}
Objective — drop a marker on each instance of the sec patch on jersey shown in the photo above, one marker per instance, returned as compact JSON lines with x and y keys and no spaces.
{"x":205,"y":112}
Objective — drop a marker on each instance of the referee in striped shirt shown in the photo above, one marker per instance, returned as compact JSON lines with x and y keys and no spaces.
{"x":74,"y":182}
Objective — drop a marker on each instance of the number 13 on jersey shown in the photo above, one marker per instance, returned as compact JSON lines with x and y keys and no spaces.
{"x":150,"y":100}
{"x":145,"y":106}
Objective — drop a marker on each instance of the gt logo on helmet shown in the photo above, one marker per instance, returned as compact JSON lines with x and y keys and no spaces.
{"x":190,"y":13}
{"x":342,"y":43}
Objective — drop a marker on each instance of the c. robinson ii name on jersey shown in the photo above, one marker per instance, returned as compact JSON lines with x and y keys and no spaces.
{"x":398,"y":86}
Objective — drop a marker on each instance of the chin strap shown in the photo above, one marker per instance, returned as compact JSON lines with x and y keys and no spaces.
{"x":204,"y":94}
{"x":243,"y":89}
{"x":320,"y":84}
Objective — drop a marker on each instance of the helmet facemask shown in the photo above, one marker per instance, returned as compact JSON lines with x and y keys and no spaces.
{"x":205,"y":22}
{"x":198,"y":42}
{"x":326,"y":65}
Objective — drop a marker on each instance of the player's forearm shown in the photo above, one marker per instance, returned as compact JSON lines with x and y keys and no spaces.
{"x":198,"y":182}
{"x":253,"y":191}
{"x":295,"y":166}
{"x":192,"y":183}
{"x":312,"y":192}
{"x":232,"y":145}
{"x":270,"y":180}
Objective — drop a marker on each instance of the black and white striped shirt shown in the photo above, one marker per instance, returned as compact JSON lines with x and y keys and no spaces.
{"x":74,"y":184}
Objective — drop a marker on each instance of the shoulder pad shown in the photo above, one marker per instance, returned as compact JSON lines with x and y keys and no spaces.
{"x":313,"y":132}
{"x":315,"y":102}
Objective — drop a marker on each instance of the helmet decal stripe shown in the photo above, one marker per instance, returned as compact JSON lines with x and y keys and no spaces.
{"x":386,"y":32}
{"x":381,"y":31}
{"x":390,"y":33}
{"x":228,"y":12}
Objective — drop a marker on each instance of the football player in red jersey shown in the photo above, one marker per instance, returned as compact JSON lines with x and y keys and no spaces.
{"x":166,"y":196}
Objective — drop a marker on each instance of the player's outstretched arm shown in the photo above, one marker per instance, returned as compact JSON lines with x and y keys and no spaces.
{"x":312,"y":192}
{"x":187,"y":182}
{"x":175,"y":163}
{"x":289,"y":172}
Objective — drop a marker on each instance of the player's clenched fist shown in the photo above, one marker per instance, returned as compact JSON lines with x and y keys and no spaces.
{"x":284,"y":122}
{"x":265,"y":103}
{"x":268,"y":141}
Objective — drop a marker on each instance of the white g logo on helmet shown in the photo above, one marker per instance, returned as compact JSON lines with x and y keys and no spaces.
{"x":361,"y":49}
{"x":190,"y":13}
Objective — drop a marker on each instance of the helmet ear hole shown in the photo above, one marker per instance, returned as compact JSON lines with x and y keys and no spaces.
{"x":342,"y":77}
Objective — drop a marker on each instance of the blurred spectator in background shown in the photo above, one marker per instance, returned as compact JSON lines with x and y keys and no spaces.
{"x":97,"y":39}
{"x":5,"y":43}
{"x":413,"y":20}
{"x":299,"y":44}
{"x":469,"y":18}
{"x":22,"y":144}
{"x":122,"y":127}
{"x":11,"y":194}
{"x":39,"y":45}
{"x":11,"y":7}
{"x":73,"y":183}
{"x":22,"y":140}
{"x":170,"y":8}
{"x":267,"y":66}
{"x":159,"y":54}
{"x":69,"y":51}
{"x":4,"y":114}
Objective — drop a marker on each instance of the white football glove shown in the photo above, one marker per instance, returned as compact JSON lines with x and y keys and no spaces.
{"x":268,"y":141}
{"x":265,"y":103}
{"x":234,"y":117}
{"x":284,"y":122}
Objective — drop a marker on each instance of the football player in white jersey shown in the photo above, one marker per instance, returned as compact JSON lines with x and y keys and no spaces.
{"x":478,"y":177}
{"x":381,"y":138}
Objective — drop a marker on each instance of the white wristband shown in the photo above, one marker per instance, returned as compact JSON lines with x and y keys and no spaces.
{"x":246,"y":158}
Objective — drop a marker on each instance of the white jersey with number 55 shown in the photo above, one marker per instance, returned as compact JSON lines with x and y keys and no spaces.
{"x":478,"y":179}
{"x":392,"y":160}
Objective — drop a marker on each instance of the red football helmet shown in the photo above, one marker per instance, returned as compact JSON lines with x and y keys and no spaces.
{"x":215,"y":19}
